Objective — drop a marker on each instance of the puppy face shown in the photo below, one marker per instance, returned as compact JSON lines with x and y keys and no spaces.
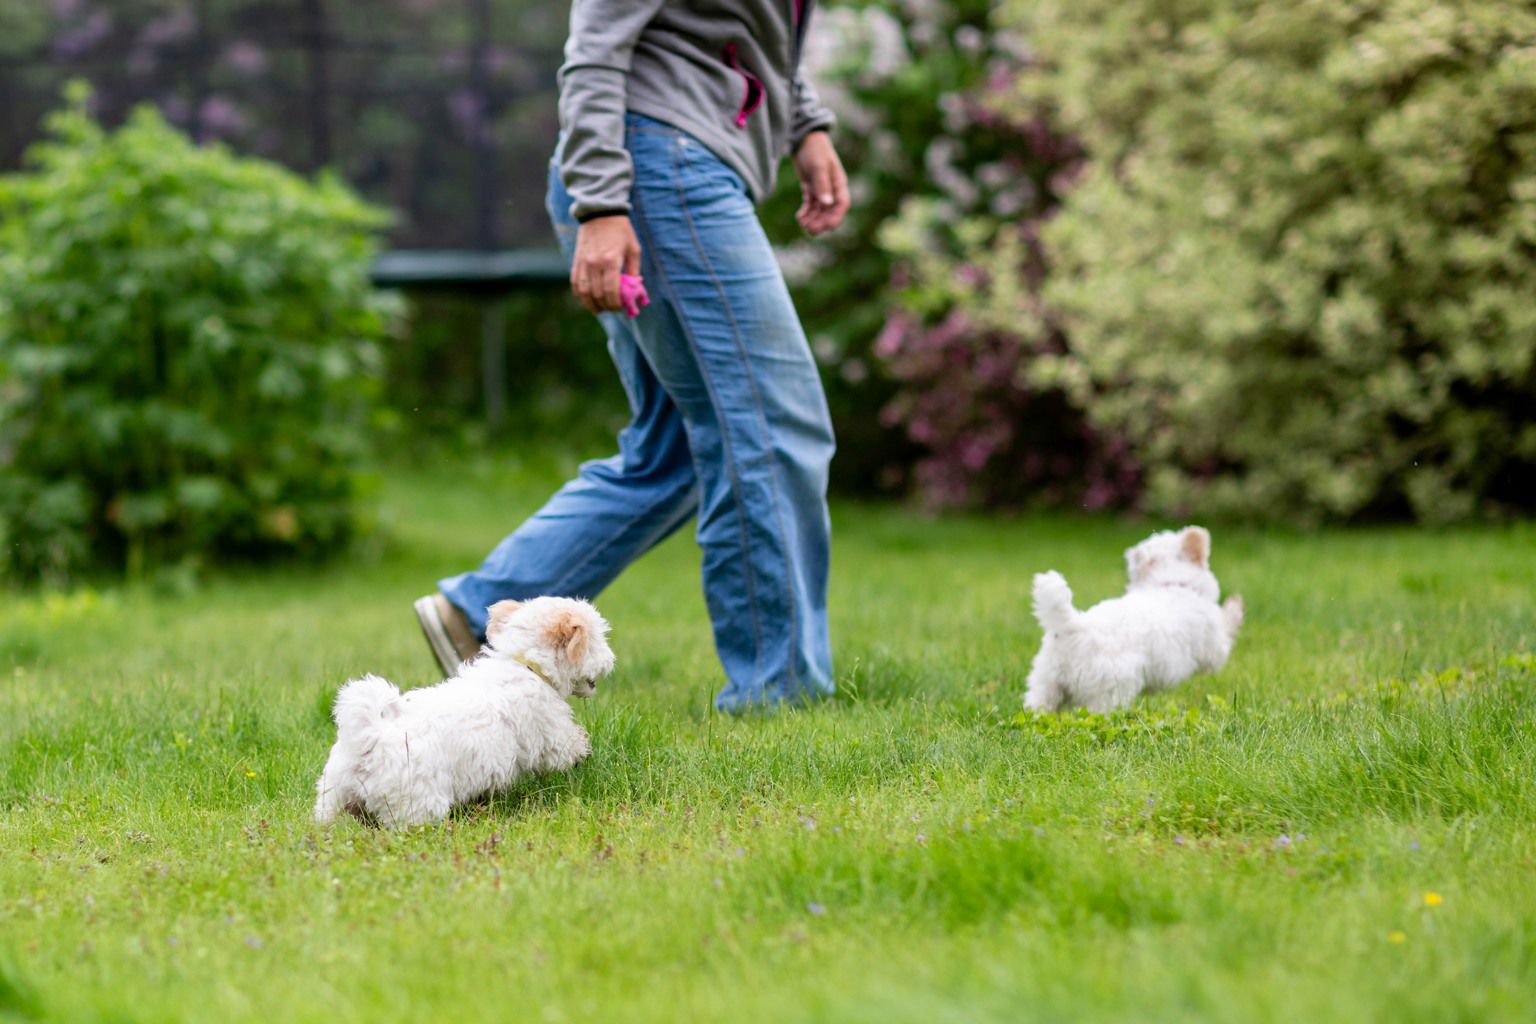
{"x":567,"y":639}
{"x":1174,"y":558}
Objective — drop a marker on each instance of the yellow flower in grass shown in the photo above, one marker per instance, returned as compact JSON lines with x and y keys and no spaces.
{"x":1397,"y":938}
{"x":1432,"y":899}
{"x":250,"y":774}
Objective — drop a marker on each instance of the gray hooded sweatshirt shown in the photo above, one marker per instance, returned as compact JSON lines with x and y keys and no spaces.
{"x":725,"y":71}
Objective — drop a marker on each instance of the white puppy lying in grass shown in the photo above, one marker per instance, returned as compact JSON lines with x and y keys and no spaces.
{"x":1165,"y":629}
{"x":406,"y":759}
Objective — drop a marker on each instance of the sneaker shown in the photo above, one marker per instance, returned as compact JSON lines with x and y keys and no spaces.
{"x":448,"y":632}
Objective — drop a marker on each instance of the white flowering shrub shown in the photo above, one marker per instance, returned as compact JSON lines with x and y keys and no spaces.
{"x":1300,"y":274}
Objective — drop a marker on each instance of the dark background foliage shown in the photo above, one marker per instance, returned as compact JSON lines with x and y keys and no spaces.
{"x":443,"y":110}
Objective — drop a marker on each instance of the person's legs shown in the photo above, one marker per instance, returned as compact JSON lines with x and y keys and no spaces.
{"x":729,"y":419}
{"x":614,"y":511}
{"x":726,"y":343}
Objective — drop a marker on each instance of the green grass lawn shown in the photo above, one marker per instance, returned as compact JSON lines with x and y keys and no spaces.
{"x":1340,"y":826}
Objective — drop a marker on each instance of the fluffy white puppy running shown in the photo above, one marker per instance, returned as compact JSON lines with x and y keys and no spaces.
{"x":1165,"y":629}
{"x":406,"y":759}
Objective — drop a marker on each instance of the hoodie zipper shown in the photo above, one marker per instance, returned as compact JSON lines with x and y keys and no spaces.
{"x":797,"y":33}
{"x":753,"y":91}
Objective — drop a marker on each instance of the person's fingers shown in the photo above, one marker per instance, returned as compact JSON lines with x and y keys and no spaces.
{"x":841,"y":201}
{"x":824,"y":191}
{"x":804,"y":214}
{"x":816,"y":219}
{"x":816,"y":223}
{"x":605,"y":289}
{"x":581,"y":272}
{"x":805,"y":166}
{"x":809,"y":214}
{"x":591,"y":287}
{"x":819,"y":184}
{"x":822,"y":182}
{"x":581,"y":284}
{"x":605,"y":248}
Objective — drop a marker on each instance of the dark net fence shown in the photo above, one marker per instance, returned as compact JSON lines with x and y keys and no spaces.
{"x":443,"y":110}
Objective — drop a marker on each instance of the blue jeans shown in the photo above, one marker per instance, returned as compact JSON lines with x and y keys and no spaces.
{"x":729,"y":424}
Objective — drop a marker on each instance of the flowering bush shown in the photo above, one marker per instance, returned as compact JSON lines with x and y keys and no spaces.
{"x":187,"y":353}
{"x":940,"y":178}
{"x":1298,"y":274}
{"x":893,"y":74}
{"x":970,"y":324}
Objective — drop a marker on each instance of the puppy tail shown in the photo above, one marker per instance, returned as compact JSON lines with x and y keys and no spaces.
{"x":363,"y":703}
{"x":1053,"y":602}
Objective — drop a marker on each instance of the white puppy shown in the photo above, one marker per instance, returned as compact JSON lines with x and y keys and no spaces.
{"x":1165,"y":629}
{"x":405,"y":759}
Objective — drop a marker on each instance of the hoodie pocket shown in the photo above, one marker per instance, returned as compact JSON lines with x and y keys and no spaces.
{"x":752,"y":87}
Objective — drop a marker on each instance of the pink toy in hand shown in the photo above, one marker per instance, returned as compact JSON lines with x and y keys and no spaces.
{"x":632,"y":294}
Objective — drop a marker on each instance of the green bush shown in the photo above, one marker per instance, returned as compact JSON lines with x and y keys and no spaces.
{"x":188,"y":352}
{"x":1300,"y":274}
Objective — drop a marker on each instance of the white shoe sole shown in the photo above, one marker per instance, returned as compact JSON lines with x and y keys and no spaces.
{"x":437,"y":635}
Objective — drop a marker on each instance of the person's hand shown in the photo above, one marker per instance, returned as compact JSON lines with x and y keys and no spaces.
{"x":823,"y":183}
{"x":605,"y":248}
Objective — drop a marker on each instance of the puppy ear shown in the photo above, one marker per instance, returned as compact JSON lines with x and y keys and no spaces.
{"x":569,"y":636}
{"x":1195,"y":545}
{"x":498,"y":614}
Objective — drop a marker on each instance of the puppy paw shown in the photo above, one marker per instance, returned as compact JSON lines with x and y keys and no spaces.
{"x":1042,"y":699}
{"x":1232,"y":611}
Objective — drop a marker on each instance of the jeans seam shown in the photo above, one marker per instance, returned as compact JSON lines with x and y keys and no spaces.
{"x":773,"y":469}
{"x":709,"y":384}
